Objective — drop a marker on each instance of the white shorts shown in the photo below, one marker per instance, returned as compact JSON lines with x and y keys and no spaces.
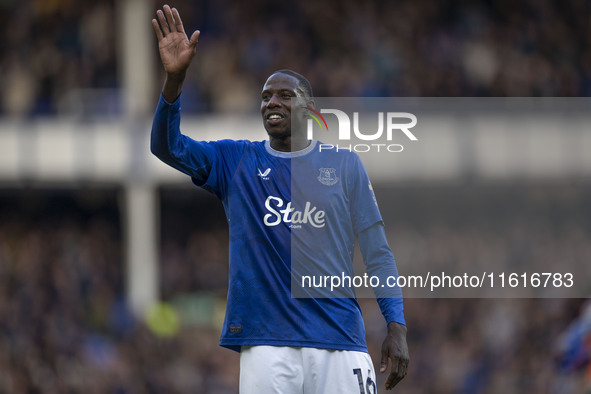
{"x":301,"y":370}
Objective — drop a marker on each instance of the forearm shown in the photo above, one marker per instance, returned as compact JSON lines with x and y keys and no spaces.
{"x":175,"y":149}
{"x":379,"y":261}
{"x":165,"y":134}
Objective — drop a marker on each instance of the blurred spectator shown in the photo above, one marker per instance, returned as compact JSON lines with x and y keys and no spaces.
{"x":65,"y":326}
{"x":52,"y":48}
{"x":346,"y":48}
{"x":64,"y":323}
{"x":456,"y":345}
{"x":574,"y":345}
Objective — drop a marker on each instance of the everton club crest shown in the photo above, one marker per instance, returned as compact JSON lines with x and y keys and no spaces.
{"x":328,"y":176}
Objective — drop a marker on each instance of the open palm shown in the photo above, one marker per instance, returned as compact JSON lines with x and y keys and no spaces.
{"x":176,"y":50}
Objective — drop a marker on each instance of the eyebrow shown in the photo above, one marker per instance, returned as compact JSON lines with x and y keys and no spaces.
{"x":282,"y":91}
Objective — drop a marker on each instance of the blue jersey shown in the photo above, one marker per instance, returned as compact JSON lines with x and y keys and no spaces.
{"x":286,"y":212}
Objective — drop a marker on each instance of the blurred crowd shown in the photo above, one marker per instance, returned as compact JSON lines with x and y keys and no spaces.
{"x":65,"y":326}
{"x":53,"y":50}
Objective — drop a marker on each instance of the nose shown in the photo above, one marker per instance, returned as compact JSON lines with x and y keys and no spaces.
{"x":273,"y":101}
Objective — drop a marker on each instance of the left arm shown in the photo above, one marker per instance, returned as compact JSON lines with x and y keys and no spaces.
{"x":379,"y":261}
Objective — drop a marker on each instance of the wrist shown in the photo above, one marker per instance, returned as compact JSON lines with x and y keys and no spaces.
{"x":395,"y":328}
{"x":177,"y":77}
{"x":173,"y":86}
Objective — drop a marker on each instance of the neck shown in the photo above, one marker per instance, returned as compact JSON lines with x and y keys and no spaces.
{"x":288,"y":144}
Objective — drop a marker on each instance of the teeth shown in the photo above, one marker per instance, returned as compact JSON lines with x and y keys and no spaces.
{"x":275,"y":116}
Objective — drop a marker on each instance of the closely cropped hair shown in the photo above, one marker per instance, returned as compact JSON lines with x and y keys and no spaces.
{"x":304,"y":84}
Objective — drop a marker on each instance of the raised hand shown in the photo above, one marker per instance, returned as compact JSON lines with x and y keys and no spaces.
{"x":176,"y":50}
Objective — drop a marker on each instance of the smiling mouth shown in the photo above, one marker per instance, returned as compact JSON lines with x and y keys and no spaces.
{"x":275,"y":117}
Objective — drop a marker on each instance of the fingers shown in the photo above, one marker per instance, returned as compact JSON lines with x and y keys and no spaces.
{"x":384,"y":362}
{"x":194,"y":38}
{"x":403,"y":367}
{"x":157,"y":30}
{"x":399,"y":370}
{"x":392,"y":381}
{"x":169,"y":18}
{"x":385,"y":357}
{"x":177,"y":20}
{"x":167,"y":21}
{"x":163,"y":23}
{"x":393,"y":377}
{"x":395,"y":355}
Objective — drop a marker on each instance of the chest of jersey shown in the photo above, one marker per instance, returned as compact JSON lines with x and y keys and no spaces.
{"x":297,"y":193}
